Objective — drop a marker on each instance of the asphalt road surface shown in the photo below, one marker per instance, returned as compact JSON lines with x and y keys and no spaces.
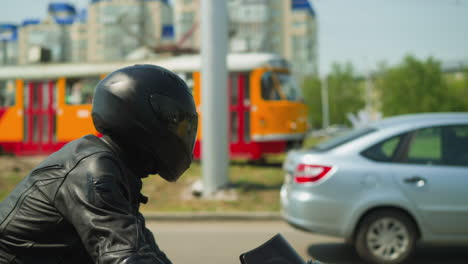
{"x":212,"y":242}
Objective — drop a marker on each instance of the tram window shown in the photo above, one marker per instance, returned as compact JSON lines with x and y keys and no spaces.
{"x":246,"y":89}
{"x":270,"y":87}
{"x":80,"y":91}
{"x":233,"y":85}
{"x":7,"y":93}
{"x":280,"y":86}
{"x":234,"y":127}
{"x":246,"y":126}
{"x":45,"y":128}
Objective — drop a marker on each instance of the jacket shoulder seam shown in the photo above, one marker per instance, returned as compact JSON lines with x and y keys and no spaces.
{"x":51,"y":181}
{"x":73,"y":167}
{"x":33,"y":187}
{"x":132,"y":250}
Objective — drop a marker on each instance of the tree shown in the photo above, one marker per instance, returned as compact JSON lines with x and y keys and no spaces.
{"x":344,"y":95}
{"x":414,"y":86}
{"x":458,"y":90}
{"x":312,"y":97}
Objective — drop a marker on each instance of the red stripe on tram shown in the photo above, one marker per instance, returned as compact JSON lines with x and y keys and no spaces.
{"x":2,"y":111}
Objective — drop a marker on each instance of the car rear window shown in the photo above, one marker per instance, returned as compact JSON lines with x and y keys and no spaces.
{"x":384,"y":151}
{"x":343,"y":138}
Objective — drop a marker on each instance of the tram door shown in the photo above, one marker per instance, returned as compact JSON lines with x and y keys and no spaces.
{"x":239,"y":111}
{"x":39,"y":117}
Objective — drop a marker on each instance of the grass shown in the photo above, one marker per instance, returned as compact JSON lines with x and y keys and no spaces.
{"x":309,"y":142}
{"x":256,"y":186}
{"x":7,"y":182}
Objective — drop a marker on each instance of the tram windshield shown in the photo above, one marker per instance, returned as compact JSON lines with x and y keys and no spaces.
{"x":80,"y":91}
{"x":280,"y":86}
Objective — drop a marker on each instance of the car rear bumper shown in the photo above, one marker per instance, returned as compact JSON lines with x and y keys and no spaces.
{"x":312,"y":212}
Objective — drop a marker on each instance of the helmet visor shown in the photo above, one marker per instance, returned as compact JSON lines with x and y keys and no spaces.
{"x":181,"y":119}
{"x":186,"y":131}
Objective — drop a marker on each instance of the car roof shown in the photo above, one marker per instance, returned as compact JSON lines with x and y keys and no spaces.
{"x":418,"y":118}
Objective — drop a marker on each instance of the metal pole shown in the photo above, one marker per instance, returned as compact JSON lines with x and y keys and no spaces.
{"x":325,"y":108}
{"x":214,"y":101}
{"x":63,"y":43}
{"x":142,"y":24}
{"x":368,"y":88}
{"x":368,"y":91}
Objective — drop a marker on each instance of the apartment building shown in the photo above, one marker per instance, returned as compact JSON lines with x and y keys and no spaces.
{"x":50,"y":35}
{"x":118,"y":27}
{"x":47,"y":36}
{"x":8,"y":44}
{"x":79,"y":37}
{"x":286,"y":27}
{"x":187,"y":23}
{"x":111,"y":30}
{"x":301,"y":38}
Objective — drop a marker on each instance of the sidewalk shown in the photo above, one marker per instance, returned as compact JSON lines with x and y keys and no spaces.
{"x":212,"y":216}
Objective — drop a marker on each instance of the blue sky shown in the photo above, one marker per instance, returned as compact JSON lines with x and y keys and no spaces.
{"x":366,"y":32}
{"x":363,"y":32}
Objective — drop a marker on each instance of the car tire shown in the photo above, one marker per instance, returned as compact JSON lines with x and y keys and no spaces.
{"x":386,"y":237}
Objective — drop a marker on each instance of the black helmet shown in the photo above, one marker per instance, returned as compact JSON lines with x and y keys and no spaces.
{"x":151,"y":110}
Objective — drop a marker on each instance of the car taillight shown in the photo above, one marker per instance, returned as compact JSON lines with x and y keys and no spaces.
{"x":307,"y":173}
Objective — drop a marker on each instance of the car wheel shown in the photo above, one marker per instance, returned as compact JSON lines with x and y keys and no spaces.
{"x":386,"y":237}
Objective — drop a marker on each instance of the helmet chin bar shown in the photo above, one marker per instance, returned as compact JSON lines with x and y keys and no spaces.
{"x":170,"y":175}
{"x":170,"y":165}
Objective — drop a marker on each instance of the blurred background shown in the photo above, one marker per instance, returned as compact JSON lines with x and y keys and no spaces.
{"x":366,"y":48}
{"x":299,"y":72}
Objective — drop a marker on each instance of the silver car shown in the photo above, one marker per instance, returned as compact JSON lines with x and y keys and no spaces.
{"x":384,"y":187}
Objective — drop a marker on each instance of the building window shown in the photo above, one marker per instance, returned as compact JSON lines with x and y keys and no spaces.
{"x":299,"y":24}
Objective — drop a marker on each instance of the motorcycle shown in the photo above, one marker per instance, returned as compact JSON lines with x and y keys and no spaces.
{"x":277,"y":250}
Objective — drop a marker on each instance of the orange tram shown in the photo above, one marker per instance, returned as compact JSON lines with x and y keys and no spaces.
{"x":44,"y":106}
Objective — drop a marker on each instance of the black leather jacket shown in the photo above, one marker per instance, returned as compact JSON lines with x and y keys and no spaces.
{"x":80,"y":205}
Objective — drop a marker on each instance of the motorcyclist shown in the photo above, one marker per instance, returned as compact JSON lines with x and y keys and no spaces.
{"x":81,"y":204}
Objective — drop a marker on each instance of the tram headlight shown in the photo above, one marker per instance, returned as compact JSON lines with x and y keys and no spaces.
{"x":293,"y":125}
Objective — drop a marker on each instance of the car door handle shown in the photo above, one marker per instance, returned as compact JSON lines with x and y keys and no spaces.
{"x":419,"y":181}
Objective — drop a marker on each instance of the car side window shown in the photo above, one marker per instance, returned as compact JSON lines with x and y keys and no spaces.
{"x":425,"y":147}
{"x":455,"y":145}
{"x":384,"y":151}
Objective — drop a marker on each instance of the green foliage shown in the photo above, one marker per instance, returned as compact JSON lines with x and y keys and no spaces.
{"x":344,"y":95}
{"x":413,"y":86}
{"x":458,"y":90}
{"x":312,"y":97}
{"x":344,"y":92}
{"x":417,"y":86}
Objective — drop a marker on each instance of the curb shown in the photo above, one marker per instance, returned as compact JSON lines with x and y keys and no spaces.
{"x":213,"y":216}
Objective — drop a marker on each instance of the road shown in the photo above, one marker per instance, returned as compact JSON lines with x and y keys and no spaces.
{"x":212,"y":242}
